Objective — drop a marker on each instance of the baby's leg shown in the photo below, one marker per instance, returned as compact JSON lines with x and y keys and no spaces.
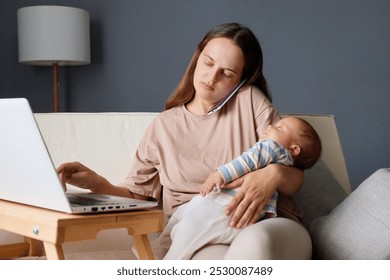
{"x":162,"y":243}
{"x":203,"y":222}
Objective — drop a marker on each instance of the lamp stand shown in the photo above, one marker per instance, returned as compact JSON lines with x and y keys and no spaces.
{"x":55,"y":86}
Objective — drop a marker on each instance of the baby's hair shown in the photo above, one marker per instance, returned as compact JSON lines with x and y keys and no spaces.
{"x":311,"y":147}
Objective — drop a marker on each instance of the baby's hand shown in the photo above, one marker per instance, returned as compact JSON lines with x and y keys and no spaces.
{"x":214,"y":180}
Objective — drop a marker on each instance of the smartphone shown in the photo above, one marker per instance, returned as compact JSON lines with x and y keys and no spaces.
{"x":223,"y":101}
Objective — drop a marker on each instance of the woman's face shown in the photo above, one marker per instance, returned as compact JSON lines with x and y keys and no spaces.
{"x":218,"y":69}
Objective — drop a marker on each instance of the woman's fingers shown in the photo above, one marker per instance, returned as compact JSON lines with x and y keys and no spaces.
{"x":238,"y":206}
{"x":76,"y":174}
{"x":245,"y":209}
{"x":247,"y":205}
{"x":234,"y":184}
{"x":247,"y":215}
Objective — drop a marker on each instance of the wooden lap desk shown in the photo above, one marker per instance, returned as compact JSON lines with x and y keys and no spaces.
{"x":55,"y":228}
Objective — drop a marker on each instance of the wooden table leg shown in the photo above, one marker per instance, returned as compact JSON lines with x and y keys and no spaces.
{"x":54,"y":251}
{"x":36,"y":246}
{"x":142,"y":245}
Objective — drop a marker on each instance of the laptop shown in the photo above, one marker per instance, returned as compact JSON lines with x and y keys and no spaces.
{"x":28,"y":175}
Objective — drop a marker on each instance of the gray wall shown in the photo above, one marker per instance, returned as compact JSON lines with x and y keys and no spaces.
{"x":321,"y":57}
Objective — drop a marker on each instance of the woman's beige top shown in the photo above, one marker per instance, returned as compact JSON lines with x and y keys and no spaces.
{"x":179,"y":149}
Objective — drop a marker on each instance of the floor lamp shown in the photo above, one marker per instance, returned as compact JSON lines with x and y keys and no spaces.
{"x":53,"y":36}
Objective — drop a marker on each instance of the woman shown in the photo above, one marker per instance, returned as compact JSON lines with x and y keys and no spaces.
{"x":184,"y":143}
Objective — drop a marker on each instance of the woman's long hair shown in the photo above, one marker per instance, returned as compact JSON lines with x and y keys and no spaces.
{"x":244,"y":38}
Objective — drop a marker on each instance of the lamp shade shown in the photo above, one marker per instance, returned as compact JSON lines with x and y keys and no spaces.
{"x":53,"y":34}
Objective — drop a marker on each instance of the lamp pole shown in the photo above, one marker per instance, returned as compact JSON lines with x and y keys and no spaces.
{"x":55,"y":86}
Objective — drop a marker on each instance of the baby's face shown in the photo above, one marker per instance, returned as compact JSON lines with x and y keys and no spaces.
{"x":285,"y":131}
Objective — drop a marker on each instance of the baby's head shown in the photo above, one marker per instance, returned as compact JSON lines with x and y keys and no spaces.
{"x":299,"y":138}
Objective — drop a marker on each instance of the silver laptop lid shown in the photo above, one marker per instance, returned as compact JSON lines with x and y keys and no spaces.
{"x":27,"y":172}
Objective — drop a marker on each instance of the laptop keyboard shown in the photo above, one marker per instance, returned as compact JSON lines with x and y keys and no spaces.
{"x":81,"y":200}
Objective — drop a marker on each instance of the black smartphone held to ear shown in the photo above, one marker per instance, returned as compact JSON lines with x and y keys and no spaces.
{"x":227,"y":98}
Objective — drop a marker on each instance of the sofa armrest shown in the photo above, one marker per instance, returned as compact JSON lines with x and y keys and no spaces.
{"x":358,"y":228}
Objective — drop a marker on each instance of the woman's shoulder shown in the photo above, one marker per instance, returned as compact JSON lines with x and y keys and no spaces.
{"x":257,"y":106}
{"x":162,"y":123}
{"x":255,"y":96}
{"x":170,"y":113}
{"x":167,"y":117}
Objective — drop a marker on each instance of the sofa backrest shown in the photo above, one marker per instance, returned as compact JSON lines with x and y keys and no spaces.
{"x":106,"y":142}
{"x":326,"y":184}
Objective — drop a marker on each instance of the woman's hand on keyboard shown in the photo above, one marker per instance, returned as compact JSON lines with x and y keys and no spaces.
{"x":77,"y":174}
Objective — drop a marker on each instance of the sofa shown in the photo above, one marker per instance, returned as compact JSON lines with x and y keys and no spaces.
{"x":341,"y":225}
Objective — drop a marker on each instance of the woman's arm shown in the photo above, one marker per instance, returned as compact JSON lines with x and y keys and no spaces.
{"x":77,"y":174}
{"x":257,"y":188}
